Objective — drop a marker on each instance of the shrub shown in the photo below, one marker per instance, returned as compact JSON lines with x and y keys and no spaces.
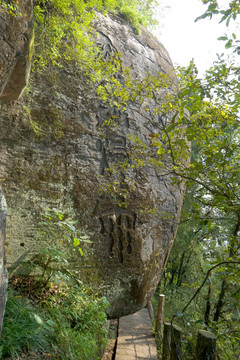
{"x":80,"y":320}
{"x":67,"y":323}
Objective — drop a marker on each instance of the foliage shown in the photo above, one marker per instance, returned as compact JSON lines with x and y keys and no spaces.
{"x":68,"y":323}
{"x":213,"y":174}
{"x":80,"y":319}
{"x":63,"y":320}
{"x":207,"y":243}
{"x":229,"y":13}
{"x":188,"y":249}
{"x":64,"y":29}
{"x":138,"y":12}
{"x":10,"y":8}
{"x":25,"y":328}
{"x":57,"y":240}
{"x":76,"y":319}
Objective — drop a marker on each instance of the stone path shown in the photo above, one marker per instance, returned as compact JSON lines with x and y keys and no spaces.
{"x":135,"y":338}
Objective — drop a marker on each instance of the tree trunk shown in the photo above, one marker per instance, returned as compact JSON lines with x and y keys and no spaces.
{"x":173,"y":273}
{"x":208,"y":304}
{"x":220,"y":301}
{"x":224,"y":283}
{"x":164,"y":280}
{"x":180,"y":270}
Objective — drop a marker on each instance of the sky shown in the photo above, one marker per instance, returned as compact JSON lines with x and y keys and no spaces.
{"x":184,"y":39}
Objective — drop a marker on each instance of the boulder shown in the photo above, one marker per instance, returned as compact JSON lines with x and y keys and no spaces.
{"x":16,"y":44}
{"x":58,"y":154}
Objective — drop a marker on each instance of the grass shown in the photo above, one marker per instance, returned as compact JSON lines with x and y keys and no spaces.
{"x":65,"y":322}
{"x":25,"y":327}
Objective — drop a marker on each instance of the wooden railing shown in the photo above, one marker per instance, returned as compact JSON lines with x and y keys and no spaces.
{"x":172,"y":349}
{"x":171,"y":338}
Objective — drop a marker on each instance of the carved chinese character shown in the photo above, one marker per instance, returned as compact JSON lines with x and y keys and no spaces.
{"x":119,"y":225}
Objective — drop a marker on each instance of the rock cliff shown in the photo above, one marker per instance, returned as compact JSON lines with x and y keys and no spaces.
{"x":63,"y":163}
{"x":16,"y":44}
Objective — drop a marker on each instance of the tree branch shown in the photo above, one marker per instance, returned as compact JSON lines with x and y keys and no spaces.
{"x":204,"y":281}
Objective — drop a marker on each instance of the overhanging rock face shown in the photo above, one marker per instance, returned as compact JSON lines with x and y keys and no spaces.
{"x":65,"y":162}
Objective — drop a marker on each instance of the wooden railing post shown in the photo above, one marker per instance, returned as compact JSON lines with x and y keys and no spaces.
{"x":172,"y":337}
{"x":206,"y":346}
{"x":166,"y":349}
{"x":176,"y":346}
{"x":160,"y":317}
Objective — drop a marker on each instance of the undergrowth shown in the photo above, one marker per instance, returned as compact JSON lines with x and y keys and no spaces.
{"x":24,"y":328}
{"x":65,"y":322}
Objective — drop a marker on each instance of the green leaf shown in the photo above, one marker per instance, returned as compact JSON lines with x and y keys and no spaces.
{"x":86,"y":239}
{"x":190,"y":137}
{"x":228,"y":44}
{"x":205,"y":15}
{"x":71,"y":227}
{"x":212,"y":7}
{"x":38,"y":319}
{"x":171,"y":127}
{"x":224,"y":38}
{"x":50,"y":322}
{"x":76,"y":242}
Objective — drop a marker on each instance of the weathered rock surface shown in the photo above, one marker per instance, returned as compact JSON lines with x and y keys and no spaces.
{"x":3,"y":271}
{"x":65,"y":163}
{"x":16,"y":44}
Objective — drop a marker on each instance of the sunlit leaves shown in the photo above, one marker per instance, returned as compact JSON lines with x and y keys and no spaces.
{"x":139,"y":12}
{"x":229,"y":12}
{"x":10,"y":8}
{"x":64,"y":28}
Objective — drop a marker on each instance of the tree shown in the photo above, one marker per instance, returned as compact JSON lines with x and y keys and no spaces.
{"x":213,"y":129}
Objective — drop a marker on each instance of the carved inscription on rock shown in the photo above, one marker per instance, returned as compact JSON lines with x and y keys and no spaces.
{"x":107,"y":50}
{"x":118,"y":148}
{"x":113,"y":150}
{"x":119,"y":226}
